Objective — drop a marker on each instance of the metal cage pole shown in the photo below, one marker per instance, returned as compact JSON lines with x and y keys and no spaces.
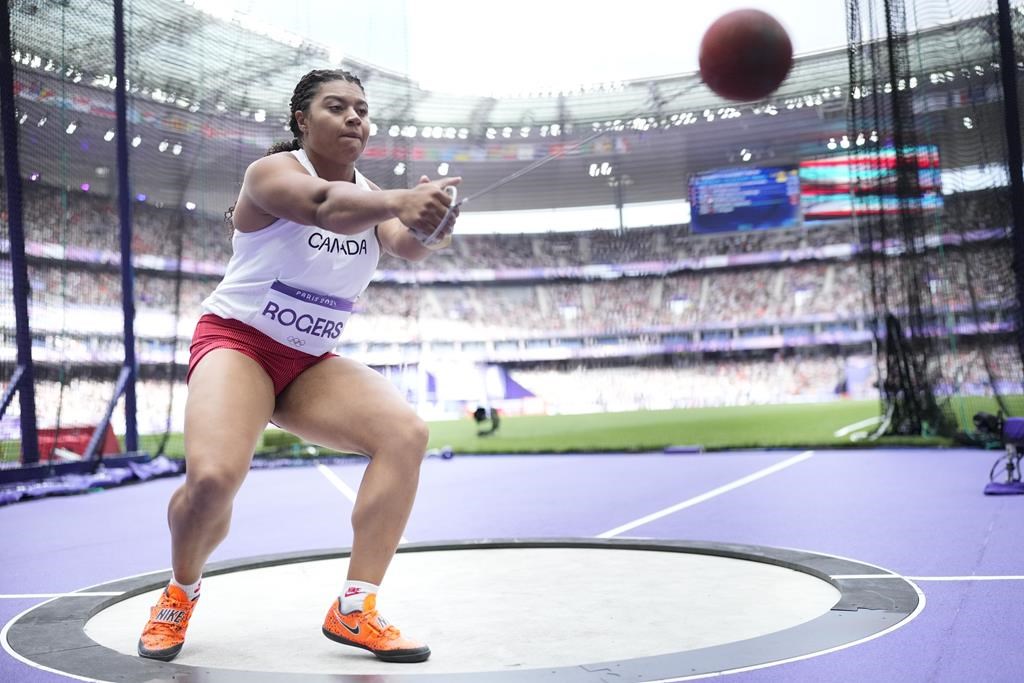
{"x":124,"y":197}
{"x":23,"y":380}
{"x":1011,"y":119}
{"x":129,"y":370}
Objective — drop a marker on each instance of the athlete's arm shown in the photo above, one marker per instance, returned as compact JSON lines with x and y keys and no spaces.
{"x":279,"y":186}
{"x":398,"y":239}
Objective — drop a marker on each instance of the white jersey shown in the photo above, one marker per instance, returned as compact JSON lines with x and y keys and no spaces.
{"x":296,"y":283}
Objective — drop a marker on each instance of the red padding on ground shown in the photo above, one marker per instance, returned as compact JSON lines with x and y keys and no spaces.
{"x":75,"y":439}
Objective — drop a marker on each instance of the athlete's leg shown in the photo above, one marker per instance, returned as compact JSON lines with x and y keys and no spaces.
{"x":230,"y":400}
{"x":349,"y":407}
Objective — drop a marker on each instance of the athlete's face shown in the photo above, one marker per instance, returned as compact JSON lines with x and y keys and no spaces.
{"x":338,"y":122}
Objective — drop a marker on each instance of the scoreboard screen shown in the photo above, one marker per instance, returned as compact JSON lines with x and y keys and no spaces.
{"x":752,"y":198}
{"x":840,"y":185}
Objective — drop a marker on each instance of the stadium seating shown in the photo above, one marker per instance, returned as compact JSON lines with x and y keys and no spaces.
{"x":764,"y":304}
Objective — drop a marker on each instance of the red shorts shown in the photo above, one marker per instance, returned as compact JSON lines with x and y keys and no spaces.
{"x":281,"y":363}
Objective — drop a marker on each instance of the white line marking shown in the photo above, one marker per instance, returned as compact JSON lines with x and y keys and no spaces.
{"x":866,"y":576}
{"x":929,"y":578}
{"x":848,"y":429}
{"x":966,"y":578}
{"x":913,"y":615}
{"x":345,"y":489}
{"x":29,"y":662}
{"x":709,"y":495}
{"x":18,"y":596}
{"x":7,"y":627}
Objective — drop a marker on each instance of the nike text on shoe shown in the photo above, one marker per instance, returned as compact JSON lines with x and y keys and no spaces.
{"x":164,"y":633}
{"x":369,"y":631}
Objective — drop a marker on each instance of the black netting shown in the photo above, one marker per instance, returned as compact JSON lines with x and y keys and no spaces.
{"x":935,"y":218}
{"x":69,"y":214}
{"x":924,"y":274}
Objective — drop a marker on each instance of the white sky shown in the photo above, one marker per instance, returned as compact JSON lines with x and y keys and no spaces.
{"x":486,"y":47}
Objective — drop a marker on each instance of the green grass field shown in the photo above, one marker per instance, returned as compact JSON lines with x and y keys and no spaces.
{"x":775,"y":426}
{"x":713,"y":428}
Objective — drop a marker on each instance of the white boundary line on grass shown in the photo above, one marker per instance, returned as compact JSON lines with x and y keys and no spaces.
{"x":760,"y":474}
{"x":849,"y":429}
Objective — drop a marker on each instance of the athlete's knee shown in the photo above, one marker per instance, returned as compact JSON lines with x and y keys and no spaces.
{"x":416,"y":435}
{"x":211,"y":490}
{"x":410,"y":438}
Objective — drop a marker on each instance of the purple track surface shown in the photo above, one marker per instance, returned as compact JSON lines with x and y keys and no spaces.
{"x":920,"y":513}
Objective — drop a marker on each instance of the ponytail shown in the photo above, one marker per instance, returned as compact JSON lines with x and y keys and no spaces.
{"x":282,"y":146}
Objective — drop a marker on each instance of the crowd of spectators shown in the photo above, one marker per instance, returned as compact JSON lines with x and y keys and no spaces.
{"x":690,"y":382}
{"x":685,"y":383}
{"x":833,"y":290}
{"x":954,"y":278}
{"x":593,"y":386}
{"x":81,"y":219}
{"x":82,"y":401}
{"x":969,"y":369}
{"x":978,"y":210}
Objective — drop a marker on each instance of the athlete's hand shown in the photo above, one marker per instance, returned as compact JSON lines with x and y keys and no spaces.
{"x":423,"y":207}
{"x":450,"y":228}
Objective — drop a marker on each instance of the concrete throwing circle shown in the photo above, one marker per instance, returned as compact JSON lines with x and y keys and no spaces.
{"x":506,"y":611}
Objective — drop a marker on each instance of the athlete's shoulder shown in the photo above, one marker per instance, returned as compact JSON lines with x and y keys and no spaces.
{"x":275,"y":163}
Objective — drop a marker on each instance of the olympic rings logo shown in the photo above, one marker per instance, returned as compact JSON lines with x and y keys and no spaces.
{"x":296,"y":341}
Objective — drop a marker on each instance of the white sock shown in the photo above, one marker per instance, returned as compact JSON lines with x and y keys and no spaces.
{"x":353,"y":594}
{"x":191,"y":589}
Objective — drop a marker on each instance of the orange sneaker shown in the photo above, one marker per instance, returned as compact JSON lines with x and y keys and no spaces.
{"x":368,"y":630}
{"x":164,"y":633}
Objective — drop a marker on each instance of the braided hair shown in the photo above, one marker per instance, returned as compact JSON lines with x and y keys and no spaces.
{"x":305,"y":90}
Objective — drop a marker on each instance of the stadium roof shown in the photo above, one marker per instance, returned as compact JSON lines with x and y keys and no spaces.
{"x":221,"y":90}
